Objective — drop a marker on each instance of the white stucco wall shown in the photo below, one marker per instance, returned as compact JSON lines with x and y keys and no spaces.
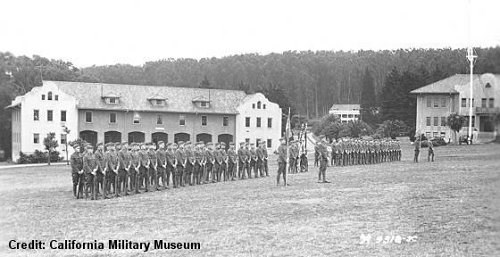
{"x":246,"y":109}
{"x":33,"y":100}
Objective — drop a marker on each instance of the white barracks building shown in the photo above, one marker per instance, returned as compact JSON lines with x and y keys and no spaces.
{"x":99,"y":112}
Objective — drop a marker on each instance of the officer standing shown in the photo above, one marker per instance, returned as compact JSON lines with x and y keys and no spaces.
{"x":417,"y":150}
{"x":161,"y":156}
{"x":180,"y":155}
{"x":323,"y":162}
{"x":281,"y":161}
{"x":253,"y":160}
{"x":225,"y":159}
{"x":171,"y":164}
{"x":430,"y":156}
{"x":77,"y":171}
{"x":136,"y":164}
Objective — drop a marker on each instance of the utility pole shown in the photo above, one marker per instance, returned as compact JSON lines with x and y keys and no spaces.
{"x":470,"y":57}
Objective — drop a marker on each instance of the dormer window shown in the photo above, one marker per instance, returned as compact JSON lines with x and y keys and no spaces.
{"x":49,"y":96}
{"x":111,"y":99}
{"x":157,"y":100}
{"x":488,"y":85}
{"x":258,"y":105}
{"x":201,"y":102}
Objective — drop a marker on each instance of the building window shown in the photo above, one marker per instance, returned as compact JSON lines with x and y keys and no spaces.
{"x":464,"y":102}
{"x":63,"y":139}
{"x":436,"y":102}
{"x":258,"y":122}
{"x":264,"y":106}
{"x":112,"y":117}
{"x":50,"y":115}
{"x":435,"y":134}
{"x":49,"y":96}
{"x":56,"y":97}
{"x":344,"y":115}
{"x":63,"y":115}
{"x":428,"y":134}
{"x":443,"y":102}
{"x":429,"y":99}
{"x":436,"y":121}
{"x":247,"y":122}
{"x":349,"y":116}
{"x":443,"y":121}
{"x":182,"y":120}
{"x":269,"y":143}
{"x":269,"y":122}
{"x":88,"y":117}
{"x":491,"y":102}
{"x":36,"y":115}
{"x":258,"y":105}
{"x":36,"y":138}
{"x":488,"y":85}
{"x":203,"y":120}
{"x":483,"y":102}
{"x":473,"y":102}
{"x":203,"y":104}
{"x":43,"y":97}
{"x":253,"y":106}
{"x":225,"y":121}
{"x":112,"y":100}
{"x":247,"y":140}
{"x":428,"y":121}
{"x":443,"y":134}
{"x":159,"y":120}
{"x":136,"y":119}
{"x":466,"y":121}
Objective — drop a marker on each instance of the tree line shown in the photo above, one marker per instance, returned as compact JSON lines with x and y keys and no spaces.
{"x":308,"y":82}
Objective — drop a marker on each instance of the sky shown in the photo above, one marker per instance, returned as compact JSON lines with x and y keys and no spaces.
{"x":106,"y":32}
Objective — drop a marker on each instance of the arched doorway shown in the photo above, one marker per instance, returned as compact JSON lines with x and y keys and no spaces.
{"x":159,"y":136}
{"x":136,"y":137}
{"x":204,"y":137}
{"x":89,"y":136}
{"x":181,"y":137}
{"x":112,"y":136}
{"x":226,"y":138}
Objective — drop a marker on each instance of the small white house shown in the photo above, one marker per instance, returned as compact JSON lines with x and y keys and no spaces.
{"x":258,"y":119}
{"x":43,"y":110}
{"x":346,"y":112}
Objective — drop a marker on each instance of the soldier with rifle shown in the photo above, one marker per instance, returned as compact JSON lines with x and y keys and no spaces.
{"x":77,"y":170}
{"x":241,"y":161}
{"x":143,"y":168}
{"x":224,"y":164}
{"x":172,"y":163}
{"x":253,"y":160}
{"x":89,"y":169}
{"x":153,"y":167}
{"x":161,"y":156}
{"x":180,"y":155}
{"x":189,"y":164}
{"x":232,"y":161}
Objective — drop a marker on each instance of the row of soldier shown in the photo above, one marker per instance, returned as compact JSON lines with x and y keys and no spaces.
{"x":123,"y":168}
{"x":347,"y":151}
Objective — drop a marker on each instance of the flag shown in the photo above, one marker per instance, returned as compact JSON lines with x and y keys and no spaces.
{"x":287,"y":134}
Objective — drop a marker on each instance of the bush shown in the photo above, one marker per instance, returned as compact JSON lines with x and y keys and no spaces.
{"x":38,"y":157}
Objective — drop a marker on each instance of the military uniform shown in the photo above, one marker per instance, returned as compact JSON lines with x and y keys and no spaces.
{"x":89,"y":170}
{"x":153,"y":167}
{"x":253,"y":160}
{"x":323,"y":162}
{"x":232,"y":161}
{"x":171,"y":165}
{"x":161,"y":157}
{"x":190,"y":159}
{"x":124,"y":172}
{"x":224,"y":164}
{"x":180,"y":155}
{"x":430,"y":156}
{"x":281,"y":161}
{"x":77,"y":172}
{"x":100,"y":181}
{"x":260,"y":160}
{"x":198,"y":164}
{"x":144,"y":168}
{"x":217,"y":164}
{"x":242,"y":162}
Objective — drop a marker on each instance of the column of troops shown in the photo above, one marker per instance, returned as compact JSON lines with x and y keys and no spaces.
{"x":347,"y":152}
{"x":116,"y":169}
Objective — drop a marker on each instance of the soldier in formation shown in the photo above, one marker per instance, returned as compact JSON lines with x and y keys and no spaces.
{"x":121,"y":169}
{"x":347,"y":151}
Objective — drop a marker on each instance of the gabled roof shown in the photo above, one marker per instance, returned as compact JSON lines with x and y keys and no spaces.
{"x":345,"y":107}
{"x":135,"y":97}
{"x":445,"y":86}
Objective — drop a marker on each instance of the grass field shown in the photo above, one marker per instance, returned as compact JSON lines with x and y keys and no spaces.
{"x":451,"y":206}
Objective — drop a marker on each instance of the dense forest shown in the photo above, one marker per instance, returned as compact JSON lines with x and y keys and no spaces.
{"x":309,"y":82}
